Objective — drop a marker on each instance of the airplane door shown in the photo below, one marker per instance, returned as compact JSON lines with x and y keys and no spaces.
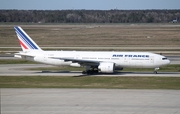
{"x":45,"y":57}
{"x":126,"y":60}
{"x":151,"y":59}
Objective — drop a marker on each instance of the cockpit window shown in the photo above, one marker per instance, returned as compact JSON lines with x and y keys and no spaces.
{"x":164,"y":58}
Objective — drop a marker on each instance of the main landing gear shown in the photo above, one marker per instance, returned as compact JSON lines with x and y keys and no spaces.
{"x":155,"y":70}
{"x":90,"y":70}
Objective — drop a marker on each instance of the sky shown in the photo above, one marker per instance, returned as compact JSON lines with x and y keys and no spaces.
{"x":89,"y":4}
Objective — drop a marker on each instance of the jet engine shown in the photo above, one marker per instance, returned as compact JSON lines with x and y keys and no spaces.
{"x":106,"y":67}
{"x":75,"y":65}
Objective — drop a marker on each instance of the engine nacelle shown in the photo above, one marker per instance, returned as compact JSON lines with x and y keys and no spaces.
{"x":75,"y":65}
{"x":106,"y":67}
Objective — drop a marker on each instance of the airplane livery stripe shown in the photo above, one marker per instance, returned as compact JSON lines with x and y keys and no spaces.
{"x":22,"y":44}
{"x":25,"y":38}
{"x":23,"y":41}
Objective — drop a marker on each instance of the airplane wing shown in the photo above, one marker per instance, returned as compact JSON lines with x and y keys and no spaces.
{"x":80,"y":61}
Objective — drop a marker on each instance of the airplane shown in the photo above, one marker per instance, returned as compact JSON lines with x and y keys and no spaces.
{"x":93,"y":61}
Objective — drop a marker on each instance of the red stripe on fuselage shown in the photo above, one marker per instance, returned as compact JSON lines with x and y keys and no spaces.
{"x":22,"y":44}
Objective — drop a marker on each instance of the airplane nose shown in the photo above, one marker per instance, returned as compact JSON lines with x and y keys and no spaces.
{"x":168,"y":61}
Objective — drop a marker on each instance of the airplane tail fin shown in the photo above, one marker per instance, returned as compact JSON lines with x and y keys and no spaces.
{"x":27,"y":44}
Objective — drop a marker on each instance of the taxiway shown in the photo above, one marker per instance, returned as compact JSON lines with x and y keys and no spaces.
{"x":21,"y":70}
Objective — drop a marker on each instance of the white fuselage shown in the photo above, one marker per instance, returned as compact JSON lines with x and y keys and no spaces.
{"x":121,"y":59}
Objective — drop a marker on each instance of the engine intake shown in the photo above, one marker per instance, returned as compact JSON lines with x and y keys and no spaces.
{"x":106,"y":67}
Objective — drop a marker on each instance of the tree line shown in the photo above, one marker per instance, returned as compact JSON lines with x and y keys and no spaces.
{"x":89,"y":16}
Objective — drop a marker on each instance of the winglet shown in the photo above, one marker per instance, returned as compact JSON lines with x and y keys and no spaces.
{"x":27,"y":44}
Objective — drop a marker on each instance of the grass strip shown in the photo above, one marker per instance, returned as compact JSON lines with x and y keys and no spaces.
{"x":90,"y":82}
{"x":16,"y":61}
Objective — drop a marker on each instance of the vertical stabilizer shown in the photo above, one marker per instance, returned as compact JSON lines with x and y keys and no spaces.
{"x":27,"y":44}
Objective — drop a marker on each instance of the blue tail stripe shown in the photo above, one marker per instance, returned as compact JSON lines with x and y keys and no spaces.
{"x":26,"y":38}
{"x":29,"y":46}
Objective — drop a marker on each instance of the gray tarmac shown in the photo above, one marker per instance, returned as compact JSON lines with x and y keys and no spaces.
{"x":86,"y":101}
{"x":89,"y":101}
{"x":21,"y":70}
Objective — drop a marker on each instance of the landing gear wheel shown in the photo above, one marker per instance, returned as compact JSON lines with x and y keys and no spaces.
{"x":90,"y":70}
{"x":84,"y":72}
{"x":87,"y":72}
{"x":155,"y":72}
{"x":96,"y":71}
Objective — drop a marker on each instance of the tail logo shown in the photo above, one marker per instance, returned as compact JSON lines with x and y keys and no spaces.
{"x":22,"y":44}
{"x":25,"y":41}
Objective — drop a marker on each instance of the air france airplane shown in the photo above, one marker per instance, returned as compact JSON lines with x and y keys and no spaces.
{"x":94,"y":62}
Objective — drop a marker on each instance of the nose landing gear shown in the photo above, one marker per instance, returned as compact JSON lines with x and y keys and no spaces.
{"x":155,"y":70}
